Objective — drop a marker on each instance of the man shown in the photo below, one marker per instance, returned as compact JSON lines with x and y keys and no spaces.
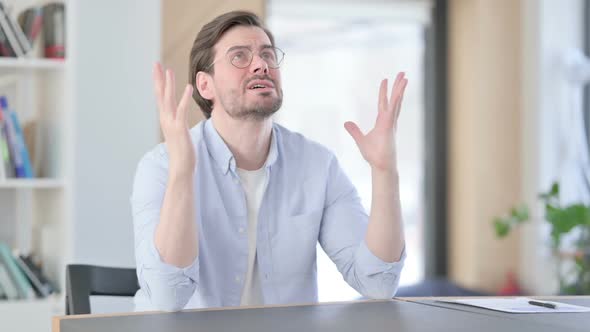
{"x":229,"y":212}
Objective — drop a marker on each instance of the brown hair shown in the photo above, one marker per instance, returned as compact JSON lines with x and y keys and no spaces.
{"x":202,"y":52}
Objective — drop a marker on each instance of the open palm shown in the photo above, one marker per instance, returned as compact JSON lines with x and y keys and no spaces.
{"x":378,"y":146}
{"x":173,"y":121}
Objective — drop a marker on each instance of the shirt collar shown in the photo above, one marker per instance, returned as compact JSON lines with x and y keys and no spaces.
{"x":222,"y":154}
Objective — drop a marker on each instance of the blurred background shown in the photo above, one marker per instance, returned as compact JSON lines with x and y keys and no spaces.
{"x":496,"y":114}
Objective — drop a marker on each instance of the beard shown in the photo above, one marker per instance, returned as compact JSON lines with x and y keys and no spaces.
{"x":262,"y":108}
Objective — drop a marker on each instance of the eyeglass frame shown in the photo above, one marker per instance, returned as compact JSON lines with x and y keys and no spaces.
{"x":252,"y":58}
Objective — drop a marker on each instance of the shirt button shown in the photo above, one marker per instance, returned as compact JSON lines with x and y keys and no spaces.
{"x":238,"y":279}
{"x":241,"y":230}
{"x":236,"y":181}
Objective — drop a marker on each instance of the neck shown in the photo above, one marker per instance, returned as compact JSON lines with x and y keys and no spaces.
{"x":248,"y":140}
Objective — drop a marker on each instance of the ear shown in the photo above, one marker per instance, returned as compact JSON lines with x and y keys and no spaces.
{"x":205,"y":85}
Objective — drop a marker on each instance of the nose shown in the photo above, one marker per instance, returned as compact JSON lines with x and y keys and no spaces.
{"x":258,"y":65}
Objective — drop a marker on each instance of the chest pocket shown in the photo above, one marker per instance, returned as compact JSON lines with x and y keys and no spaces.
{"x":294,"y":245}
{"x":305,"y":220}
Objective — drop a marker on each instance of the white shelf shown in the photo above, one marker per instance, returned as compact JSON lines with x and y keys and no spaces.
{"x":31,"y":315}
{"x":38,"y":183}
{"x":31,"y":63}
{"x":53,"y":301}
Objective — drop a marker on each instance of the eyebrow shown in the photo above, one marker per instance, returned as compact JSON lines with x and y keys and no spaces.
{"x":265,"y":46}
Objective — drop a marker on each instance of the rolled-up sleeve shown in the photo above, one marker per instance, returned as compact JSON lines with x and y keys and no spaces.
{"x":342,"y":236}
{"x":167,"y":287}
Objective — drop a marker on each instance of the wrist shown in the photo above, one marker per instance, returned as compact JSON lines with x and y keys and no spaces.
{"x":389,"y":172}
{"x":180,"y":175}
{"x":384,"y":169}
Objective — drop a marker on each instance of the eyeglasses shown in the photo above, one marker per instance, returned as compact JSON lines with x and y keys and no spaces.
{"x":241,"y":56}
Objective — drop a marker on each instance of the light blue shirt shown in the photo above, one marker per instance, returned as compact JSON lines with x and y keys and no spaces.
{"x":308,"y":199}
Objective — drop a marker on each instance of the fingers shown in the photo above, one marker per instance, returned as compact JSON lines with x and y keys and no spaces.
{"x":182,"y":111}
{"x":399,"y":77}
{"x":354,"y":131}
{"x":396,"y":89}
{"x":389,"y":110}
{"x":158,"y":78}
{"x":165,"y":90}
{"x":170,"y":93}
{"x":398,"y":105}
{"x":382,"y":103}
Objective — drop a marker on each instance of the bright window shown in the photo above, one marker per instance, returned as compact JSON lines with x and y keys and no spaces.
{"x":335,"y":59}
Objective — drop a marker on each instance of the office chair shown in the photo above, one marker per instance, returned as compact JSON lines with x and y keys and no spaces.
{"x":82,"y":281}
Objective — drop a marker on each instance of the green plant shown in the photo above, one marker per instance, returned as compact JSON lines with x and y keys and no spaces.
{"x":564,"y":220}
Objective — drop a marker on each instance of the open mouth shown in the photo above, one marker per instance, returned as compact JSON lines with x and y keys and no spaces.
{"x":260,"y":86}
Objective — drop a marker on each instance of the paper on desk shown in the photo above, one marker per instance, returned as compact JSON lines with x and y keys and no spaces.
{"x":517,"y":305}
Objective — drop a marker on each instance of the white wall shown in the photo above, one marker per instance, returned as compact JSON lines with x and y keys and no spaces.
{"x":114,"y":47}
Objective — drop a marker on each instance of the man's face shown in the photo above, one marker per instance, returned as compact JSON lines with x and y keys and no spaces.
{"x":253,"y":92}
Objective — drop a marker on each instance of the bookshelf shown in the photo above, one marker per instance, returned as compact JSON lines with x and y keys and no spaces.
{"x":34,"y":213}
{"x":94,"y":116}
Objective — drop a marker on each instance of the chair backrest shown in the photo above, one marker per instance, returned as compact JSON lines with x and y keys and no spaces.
{"x":82,"y":281}
{"x":437,"y":286}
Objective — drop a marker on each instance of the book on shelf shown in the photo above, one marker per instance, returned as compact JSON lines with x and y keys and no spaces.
{"x":31,"y":22}
{"x":6,"y":168}
{"x":26,"y":171}
{"x":24,"y":288}
{"x":15,"y":154}
{"x":17,"y":40}
{"x":5,"y":48}
{"x":10,"y":41}
{"x":3,"y":295}
{"x":6,"y":143}
{"x":19,"y":33}
{"x":8,"y":286}
{"x":43,"y":287}
{"x":21,"y":277}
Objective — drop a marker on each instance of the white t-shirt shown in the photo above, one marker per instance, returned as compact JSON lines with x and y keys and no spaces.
{"x":254,"y":184}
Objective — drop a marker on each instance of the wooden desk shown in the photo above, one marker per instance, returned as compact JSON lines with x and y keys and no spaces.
{"x":404,"y":314}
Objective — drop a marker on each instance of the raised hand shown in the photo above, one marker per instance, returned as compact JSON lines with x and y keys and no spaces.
{"x":378,"y":146}
{"x":173,"y":121}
